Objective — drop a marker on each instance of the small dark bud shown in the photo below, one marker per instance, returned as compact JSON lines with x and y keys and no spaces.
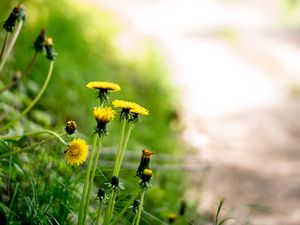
{"x":40,"y":41}
{"x":101,"y":193}
{"x":18,"y":13}
{"x":50,"y":52}
{"x":71,"y":127}
{"x":115,"y":181}
{"x":136,"y":203}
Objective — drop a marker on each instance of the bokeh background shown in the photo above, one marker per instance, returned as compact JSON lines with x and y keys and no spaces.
{"x":221,"y":79}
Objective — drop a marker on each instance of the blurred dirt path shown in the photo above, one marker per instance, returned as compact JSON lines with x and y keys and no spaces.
{"x":239,"y":72}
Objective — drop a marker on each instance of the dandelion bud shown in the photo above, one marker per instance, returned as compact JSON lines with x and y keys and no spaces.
{"x":146,"y":177}
{"x":18,"y":13}
{"x":50,"y":52}
{"x":145,"y":161}
{"x":136,"y":203}
{"x":71,"y":127}
{"x":40,"y":41}
{"x":171,"y":217}
{"x":101,"y":194}
{"x":115,"y":182}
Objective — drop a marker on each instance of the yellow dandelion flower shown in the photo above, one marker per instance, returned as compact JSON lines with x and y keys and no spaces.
{"x":104,"y":89}
{"x":104,"y":86}
{"x":103,"y":115}
{"x":139,"y":110}
{"x":76,"y":152}
{"x":124,"y":104}
{"x":130,"y":110}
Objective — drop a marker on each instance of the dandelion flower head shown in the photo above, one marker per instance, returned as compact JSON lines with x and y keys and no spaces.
{"x":76,"y":152}
{"x":104,"y":115}
{"x":104,"y":86}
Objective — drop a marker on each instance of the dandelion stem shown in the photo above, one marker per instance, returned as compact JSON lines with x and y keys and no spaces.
{"x":91,"y":182}
{"x":124,"y":210}
{"x":26,"y":72}
{"x":131,"y":126}
{"x":99,"y":213}
{"x":34,"y":134}
{"x":140,"y":207}
{"x":84,"y":192}
{"x":134,"y":219}
{"x":39,"y":95}
{"x":4,"y":45}
{"x":116,"y":165}
{"x":11,"y":44}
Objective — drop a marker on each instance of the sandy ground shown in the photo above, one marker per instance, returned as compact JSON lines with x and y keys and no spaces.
{"x":237,"y":64}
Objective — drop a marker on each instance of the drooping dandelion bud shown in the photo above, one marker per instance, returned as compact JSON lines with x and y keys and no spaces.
{"x":145,"y":161}
{"x":39,"y":43}
{"x":104,"y":88}
{"x":146,"y":177}
{"x":50,"y":52}
{"x":171,"y":217}
{"x":101,"y":194}
{"x":103,"y":116}
{"x":17,"y":14}
{"x":76,"y":152}
{"x":71,"y":127}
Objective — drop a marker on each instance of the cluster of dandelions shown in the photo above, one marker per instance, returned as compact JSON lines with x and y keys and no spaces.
{"x":76,"y":153}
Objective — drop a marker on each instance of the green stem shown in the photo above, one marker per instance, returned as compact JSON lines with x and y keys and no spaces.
{"x":4,"y":45}
{"x":116,"y":165}
{"x":124,"y":210}
{"x":39,"y":95}
{"x":11,"y":44}
{"x":26,"y":72}
{"x":131,"y":126}
{"x":82,"y":201}
{"x":111,"y":206}
{"x":134,"y":219}
{"x":99,"y":213}
{"x":140,"y":207}
{"x":123,"y":144}
{"x":34,"y":134}
{"x":92,"y":175}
